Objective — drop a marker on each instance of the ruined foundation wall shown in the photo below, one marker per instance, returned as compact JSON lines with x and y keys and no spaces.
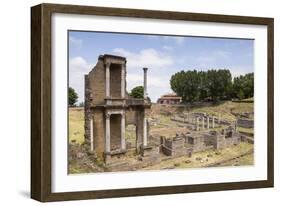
{"x":198,"y":144}
{"x":235,"y":139}
{"x":210,"y":140}
{"x":174,"y":147}
{"x":246,"y":123}
{"x":220,"y":142}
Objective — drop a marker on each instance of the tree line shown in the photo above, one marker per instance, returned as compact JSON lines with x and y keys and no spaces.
{"x":212,"y":85}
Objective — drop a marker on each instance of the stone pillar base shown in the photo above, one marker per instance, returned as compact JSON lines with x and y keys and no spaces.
{"x":114,"y":156}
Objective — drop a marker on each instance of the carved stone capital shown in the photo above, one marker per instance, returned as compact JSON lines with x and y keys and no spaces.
{"x":107,"y":115}
{"x":107,"y":64}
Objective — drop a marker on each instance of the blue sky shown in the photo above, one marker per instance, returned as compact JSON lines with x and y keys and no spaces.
{"x":163,"y":55}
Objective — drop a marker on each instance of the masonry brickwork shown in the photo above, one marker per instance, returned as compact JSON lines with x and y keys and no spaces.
{"x":109,"y":108}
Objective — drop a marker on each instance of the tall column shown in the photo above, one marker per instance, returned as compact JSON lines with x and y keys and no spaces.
{"x":203,"y":122}
{"x":123,"y":142}
{"x":208,"y":123}
{"x":123,"y":81}
{"x":144,"y":83}
{"x":213,"y":122}
{"x":91,"y":134}
{"x":144,"y":131}
{"x":107,"y":80}
{"x":107,"y":133}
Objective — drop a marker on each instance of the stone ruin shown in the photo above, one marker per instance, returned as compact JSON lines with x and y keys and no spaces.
{"x":109,"y":109}
{"x":186,"y":144}
{"x":199,"y":121}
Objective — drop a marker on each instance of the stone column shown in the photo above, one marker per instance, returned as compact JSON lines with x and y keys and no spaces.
{"x":203,"y":122}
{"x":123,"y":81}
{"x":144,"y":83}
{"x":208,"y":123}
{"x":107,"y":80}
{"x":219,"y":120}
{"x":144,"y":131}
{"x":123,"y":142}
{"x":107,"y":133}
{"x":92,"y":134}
{"x":213,"y":122}
{"x":197,"y":124}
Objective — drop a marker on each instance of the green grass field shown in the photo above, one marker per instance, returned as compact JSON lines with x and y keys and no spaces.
{"x":224,"y":109}
{"x":76,"y":119}
{"x":76,"y":124}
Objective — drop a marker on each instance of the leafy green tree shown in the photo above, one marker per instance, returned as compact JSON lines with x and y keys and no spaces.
{"x":186,"y":85}
{"x":202,"y":85}
{"x":240,"y":94}
{"x":177,"y":83}
{"x":137,"y":92}
{"x":72,"y":97}
{"x":192,"y":86}
{"x":249,"y":85}
{"x":243,"y":86}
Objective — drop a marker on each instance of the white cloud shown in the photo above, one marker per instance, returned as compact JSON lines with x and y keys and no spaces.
{"x":75,"y":42}
{"x":78,"y":67}
{"x":157,"y":62}
{"x":78,"y":64}
{"x":179,"y":40}
{"x":168,"y":48}
{"x":137,"y":79}
{"x":150,"y":58}
{"x":236,"y":71}
{"x":156,"y":85}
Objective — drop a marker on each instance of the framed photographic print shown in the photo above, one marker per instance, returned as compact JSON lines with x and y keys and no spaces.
{"x":130,"y":102}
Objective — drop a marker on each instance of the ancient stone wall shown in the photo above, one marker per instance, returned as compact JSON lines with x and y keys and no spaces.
{"x":247,"y":123}
{"x":130,"y":116}
{"x":220,"y":141}
{"x":199,"y":144}
{"x":115,"y":81}
{"x":174,"y":147}
{"x":87,"y":109}
{"x":115,"y":131}
{"x":234,"y":139}
{"x":98,"y":131}
{"x":97,"y":83}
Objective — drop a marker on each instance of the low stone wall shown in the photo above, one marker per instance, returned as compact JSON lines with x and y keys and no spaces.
{"x":232,"y":141}
{"x":247,"y":139}
{"x":174,"y":147}
{"x":246,"y":123}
